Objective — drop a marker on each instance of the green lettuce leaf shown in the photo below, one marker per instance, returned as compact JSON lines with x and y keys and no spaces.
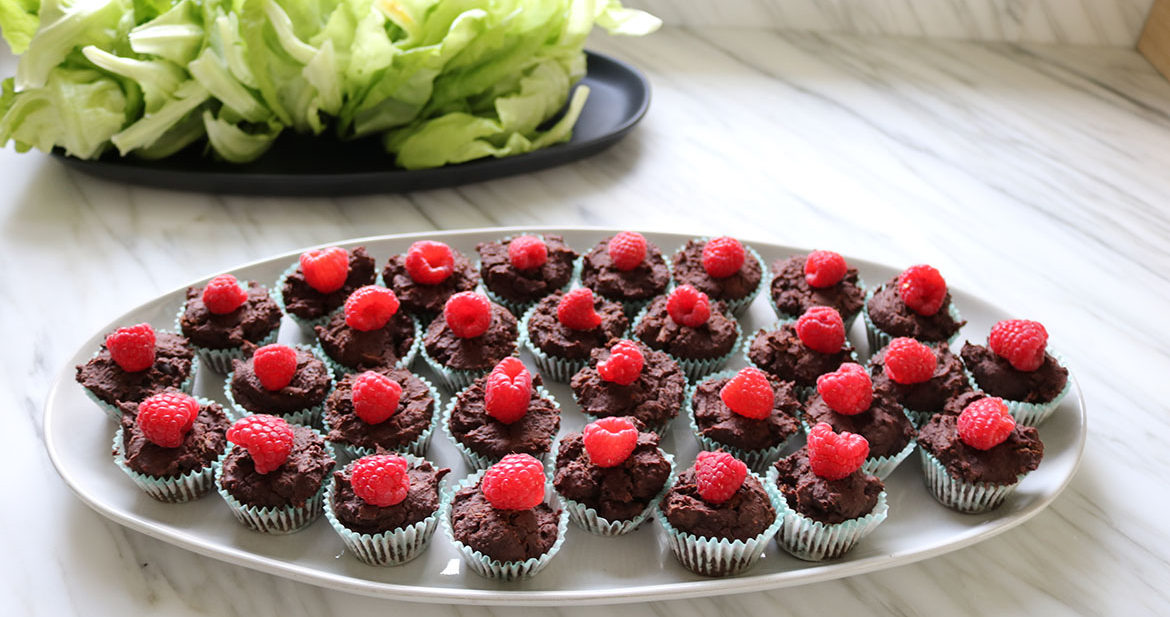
{"x":19,"y":22}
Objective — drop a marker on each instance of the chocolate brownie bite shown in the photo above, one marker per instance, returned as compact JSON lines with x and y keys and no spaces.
{"x":723,"y":268}
{"x":924,"y":391}
{"x":698,"y":334}
{"x":638,"y":273}
{"x":520,"y":270}
{"x":820,"y":499}
{"x":469,"y":338}
{"x":353,"y":342}
{"x":782,"y":353}
{"x":235,"y":315}
{"x":561,"y":339}
{"x":407,"y":427}
{"x":1017,"y":367}
{"x":299,"y":400}
{"x":156,"y":362}
{"x":653,"y":394}
{"x":916,"y":304}
{"x":310,"y":299}
{"x":754,"y":431}
{"x":837,"y":285}
{"x":483,"y":435}
{"x":426,"y":275}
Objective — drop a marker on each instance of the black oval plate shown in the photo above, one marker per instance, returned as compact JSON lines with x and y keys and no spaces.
{"x":299,"y":165}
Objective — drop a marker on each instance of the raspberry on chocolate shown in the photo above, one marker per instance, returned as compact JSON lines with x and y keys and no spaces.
{"x":369,"y":308}
{"x":833,"y":456}
{"x":824,"y":269}
{"x":985,"y":423}
{"x":515,"y":483}
{"x":268,"y":440}
{"x":380,"y":480}
{"x":223,"y":294}
{"x":508,"y":390}
{"x":468,"y":314}
{"x":688,"y":306}
{"x":923,"y":289}
{"x":610,"y":441}
{"x":275,"y":365}
{"x":624,"y":364}
{"x":847,"y":390}
{"x":375,"y":397}
{"x":723,"y":256}
{"x":527,"y":253}
{"x":627,"y":249}
{"x":909,"y":361}
{"x":821,"y":329}
{"x":132,"y":347}
{"x":576,"y":312}
{"x":429,"y":262}
{"x":325,"y":270}
{"x":1019,"y":341}
{"x":166,"y":418}
{"x":718,"y":475}
{"x":749,"y":394}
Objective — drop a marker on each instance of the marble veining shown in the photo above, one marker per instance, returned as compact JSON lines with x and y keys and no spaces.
{"x":1034,"y":176}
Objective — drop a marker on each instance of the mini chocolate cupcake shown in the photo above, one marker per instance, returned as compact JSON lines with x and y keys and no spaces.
{"x":134,"y":363}
{"x":724,"y":269}
{"x":747,"y":413}
{"x":718,"y":516}
{"x":370,"y":333}
{"x":626,"y":268}
{"x":469,"y":338}
{"x":821,"y":278}
{"x":829,"y":503}
{"x":385,"y":507}
{"x":686,"y":325}
{"x":391,"y":409}
{"x":426,"y":275}
{"x":1017,"y":367}
{"x":221,"y":316}
{"x":564,"y":328}
{"x":973,"y":461}
{"x":505,"y":521}
{"x":921,"y":377}
{"x":507,"y":411}
{"x":280,"y":380}
{"x":803,"y":349}
{"x":520,"y":270}
{"x":915,"y":304}
{"x":627,"y":378}
{"x":168,"y":445}
{"x":273,"y":477}
{"x":320,"y":281}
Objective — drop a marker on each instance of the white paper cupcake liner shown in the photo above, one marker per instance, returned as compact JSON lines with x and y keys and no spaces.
{"x":417,"y":448}
{"x":275,"y":521}
{"x":721,"y":556}
{"x":170,"y":489}
{"x":340,"y":370}
{"x":956,"y":494}
{"x":389,"y":548}
{"x":878,"y":339}
{"x":493,"y":568}
{"x":802,"y":392}
{"x":756,"y":460}
{"x":550,"y":367}
{"x":695,"y":368}
{"x":479,"y":461}
{"x":812,"y":540}
{"x":115,"y":414}
{"x":1032,"y":414}
{"x":309,"y":416}
{"x":848,"y":319}
{"x":590,"y":520}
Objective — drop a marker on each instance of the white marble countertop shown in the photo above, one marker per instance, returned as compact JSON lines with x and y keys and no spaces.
{"x":1034,"y":176}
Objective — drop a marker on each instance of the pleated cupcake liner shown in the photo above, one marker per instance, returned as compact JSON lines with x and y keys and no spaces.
{"x":392,"y":547}
{"x":810,"y":540}
{"x":280,"y":520}
{"x":220,"y":360}
{"x":307,"y":325}
{"x":916,"y":417}
{"x":550,"y":366}
{"x":710,"y":556}
{"x":417,"y":448}
{"x":170,"y":489}
{"x":480,"y":461}
{"x":880,"y":466}
{"x":696,"y":368}
{"x":519,"y":308}
{"x":309,"y":416}
{"x":1032,"y":414}
{"x":738,"y":306}
{"x":878,"y":339}
{"x":960,"y":495}
{"x":115,"y":414}
{"x":848,"y":319}
{"x":802,"y":392}
{"x":341,"y":370}
{"x":756,"y":460}
{"x":590,"y":520}
{"x":493,"y":568}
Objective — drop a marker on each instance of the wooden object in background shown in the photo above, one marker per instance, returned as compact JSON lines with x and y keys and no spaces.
{"x":1155,"y":41}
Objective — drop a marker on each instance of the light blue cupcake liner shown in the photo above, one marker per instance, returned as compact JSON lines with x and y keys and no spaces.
{"x":307,"y":325}
{"x":803,"y":392}
{"x":918,"y":418}
{"x":493,"y":568}
{"x":417,"y":448}
{"x":711,"y":556}
{"x":275,"y":521}
{"x":519,"y":308}
{"x":695,"y":368}
{"x":550,"y":367}
{"x":171,"y":489}
{"x":956,"y":494}
{"x":1032,"y":414}
{"x":878,"y":339}
{"x":389,"y":548}
{"x":739,"y":306}
{"x":880,"y":466}
{"x":812,"y":540}
{"x":590,"y":520}
{"x":756,"y":460}
{"x":115,"y":414}
{"x":849,"y":320}
{"x":479,"y":461}
{"x":310,"y":416}
{"x":340,"y":370}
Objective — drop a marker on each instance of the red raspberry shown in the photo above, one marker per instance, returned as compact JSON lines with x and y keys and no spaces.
{"x":223,"y":294}
{"x":824,"y":269}
{"x":381,"y":479}
{"x":723,"y":256}
{"x":575,"y":310}
{"x":514,"y":483}
{"x":627,"y":250}
{"x":609,"y":441}
{"x":908,"y":361}
{"x":429,"y":262}
{"x":749,"y":394}
{"x":847,"y":390}
{"x":688,"y":306}
{"x":132,"y":347}
{"x":468,"y":314}
{"x":375,"y":397}
{"x":624,"y":364}
{"x":369,"y":308}
{"x":833,"y":456}
{"x":326,"y":269}
{"x":508,"y":391}
{"x":821,"y":329}
{"x":165,"y":418}
{"x":922,"y":289}
{"x":1020,"y":342}
{"x":718,"y":475}
{"x":268,"y":439}
{"x":985,"y":423}
{"x":527,"y":252}
{"x":275,"y":365}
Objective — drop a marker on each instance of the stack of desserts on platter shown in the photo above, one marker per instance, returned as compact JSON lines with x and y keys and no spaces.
{"x":794,"y":447}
